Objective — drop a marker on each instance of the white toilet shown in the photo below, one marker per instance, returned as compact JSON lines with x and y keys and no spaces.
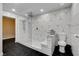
{"x":61,"y":42}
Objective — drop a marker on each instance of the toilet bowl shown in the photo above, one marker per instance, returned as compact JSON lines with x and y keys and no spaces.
{"x":61,"y":42}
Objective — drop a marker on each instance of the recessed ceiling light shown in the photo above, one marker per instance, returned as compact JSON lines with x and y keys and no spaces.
{"x":26,"y":14}
{"x":13,"y":10}
{"x":42,"y":10}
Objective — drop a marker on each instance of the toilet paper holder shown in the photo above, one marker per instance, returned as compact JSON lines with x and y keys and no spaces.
{"x":76,"y":35}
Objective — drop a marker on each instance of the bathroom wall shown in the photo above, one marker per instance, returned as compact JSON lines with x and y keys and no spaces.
{"x":24,"y":31}
{"x":75,"y":29}
{"x":22,"y":28}
{"x":57,"y":20}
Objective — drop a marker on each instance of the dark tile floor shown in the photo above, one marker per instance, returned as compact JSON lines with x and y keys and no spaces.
{"x":15,"y":49}
{"x":10,"y":48}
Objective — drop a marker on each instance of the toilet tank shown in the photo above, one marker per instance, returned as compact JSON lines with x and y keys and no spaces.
{"x":62,"y":36}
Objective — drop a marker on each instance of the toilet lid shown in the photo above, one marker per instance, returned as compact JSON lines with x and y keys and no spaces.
{"x":62,"y":36}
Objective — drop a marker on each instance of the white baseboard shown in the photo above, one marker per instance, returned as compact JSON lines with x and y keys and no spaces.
{"x":1,"y":54}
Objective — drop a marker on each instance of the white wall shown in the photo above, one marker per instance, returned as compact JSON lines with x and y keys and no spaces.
{"x":57,"y":20}
{"x":1,"y":29}
{"x":23,"y":37}
{"x":75,"y":29}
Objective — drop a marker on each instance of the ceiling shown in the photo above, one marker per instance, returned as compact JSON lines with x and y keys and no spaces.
{"x":34,"y":8}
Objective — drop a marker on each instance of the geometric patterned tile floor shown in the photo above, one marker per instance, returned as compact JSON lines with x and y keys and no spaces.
{"x":10,"y":48}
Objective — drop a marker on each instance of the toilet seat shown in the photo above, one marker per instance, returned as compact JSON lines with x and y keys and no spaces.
{"x":61,"y":43}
